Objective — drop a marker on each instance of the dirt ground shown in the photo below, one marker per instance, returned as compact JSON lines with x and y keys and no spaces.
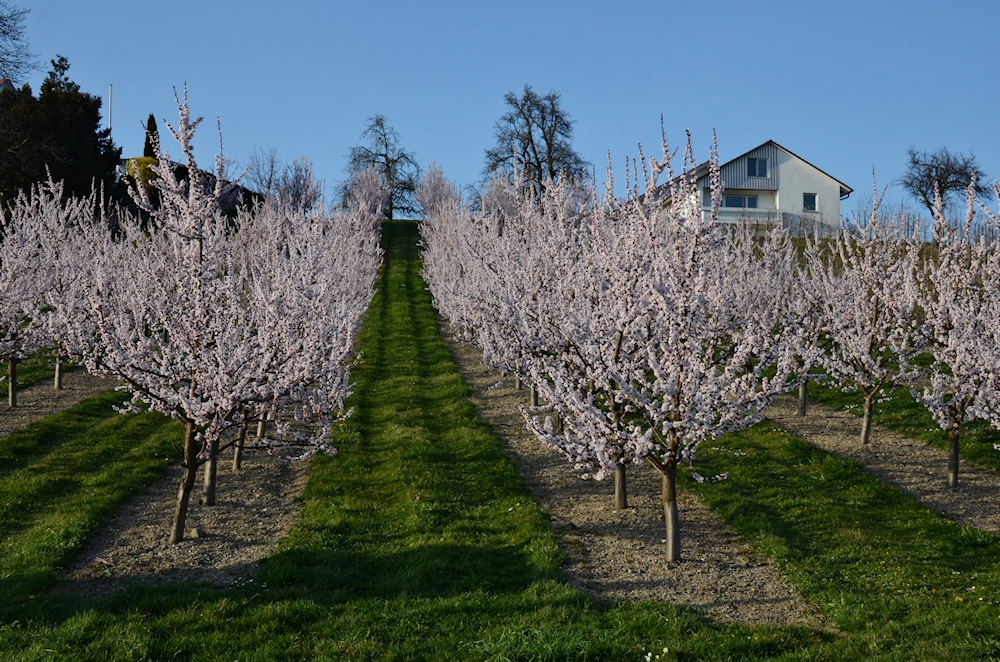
{"x":619,"y":555}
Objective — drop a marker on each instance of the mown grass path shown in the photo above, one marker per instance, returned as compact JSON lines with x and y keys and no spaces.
{"x":418,"y":541}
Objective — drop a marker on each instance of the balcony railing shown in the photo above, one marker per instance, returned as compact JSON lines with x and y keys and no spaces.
{"x":751,"y":216}
{"x":766,"y":218}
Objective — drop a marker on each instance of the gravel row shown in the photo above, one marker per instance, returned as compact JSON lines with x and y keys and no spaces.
{"x":619,"y":555}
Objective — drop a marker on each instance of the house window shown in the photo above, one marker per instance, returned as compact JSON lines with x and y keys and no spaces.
{"x":756,"y":167}
{"x":740,"y":201}
{"x":808,"y":202}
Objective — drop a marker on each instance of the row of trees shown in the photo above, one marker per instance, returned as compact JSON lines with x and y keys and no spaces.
{"x":534,"y":138}
{"x":647,"y":326}
{"x":219,"y":322}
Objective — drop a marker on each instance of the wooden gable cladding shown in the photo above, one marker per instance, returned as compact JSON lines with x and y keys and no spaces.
{"x":735,"y":176}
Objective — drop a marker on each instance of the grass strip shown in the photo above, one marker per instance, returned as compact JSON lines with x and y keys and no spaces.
{"x":899,"y":580}
{"x":898,"y":411}
{"x":61,"y":476}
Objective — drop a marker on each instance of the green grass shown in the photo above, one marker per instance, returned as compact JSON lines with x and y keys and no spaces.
{"x":899,"y":580}
{"x":418,"y":541}
{"x":901,"y":413}
{"x":60,"y":477}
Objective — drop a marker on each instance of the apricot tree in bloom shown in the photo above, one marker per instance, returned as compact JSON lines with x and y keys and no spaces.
{"x":861,"y":286}
{"x":648,"y":327}
{"x":23,"y":279}
{"x":959,"y":295}
{"x":213,"y":321}
{"x":722,"y":336}
{"x":36,"y":268}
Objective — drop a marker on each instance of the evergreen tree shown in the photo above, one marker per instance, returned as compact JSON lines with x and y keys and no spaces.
{"x":59,"y":130}
{"x":152,"y":137}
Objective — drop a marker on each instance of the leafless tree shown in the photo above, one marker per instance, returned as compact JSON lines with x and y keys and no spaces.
{"x":298,"y":187}
{"x":943,"y":170}
{"x":534,"y":137}
{"x":295,"y":183}
{"x":263,"y":170}
{"x":398,"y":168}
{"x":16,"y":61}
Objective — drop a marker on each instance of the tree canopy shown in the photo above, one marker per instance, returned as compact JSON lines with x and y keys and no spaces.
{"x":397,"y":167}
{"x":16,"y":61}
{"x":947,"y":172}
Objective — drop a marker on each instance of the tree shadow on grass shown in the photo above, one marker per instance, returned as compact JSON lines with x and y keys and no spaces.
{"x":435,"y":570}
{"x":323,"y":578}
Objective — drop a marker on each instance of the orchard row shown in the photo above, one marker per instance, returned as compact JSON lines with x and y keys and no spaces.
{"x":647,"y":326}
{"x":220,"y":322}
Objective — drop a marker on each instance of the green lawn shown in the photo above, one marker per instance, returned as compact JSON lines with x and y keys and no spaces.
{"x":419,"y":541}
{"x":59,"y":478}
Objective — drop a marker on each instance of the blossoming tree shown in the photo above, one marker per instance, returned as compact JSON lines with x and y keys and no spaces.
{"x":646,"y":326}
{"x":862,"y":288}
{"x":214,"y":322}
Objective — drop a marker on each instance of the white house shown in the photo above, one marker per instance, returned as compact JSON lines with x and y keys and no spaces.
{"x":770,"y":184}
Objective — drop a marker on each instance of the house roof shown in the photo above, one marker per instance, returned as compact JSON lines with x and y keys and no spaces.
{"x":701,"y":170}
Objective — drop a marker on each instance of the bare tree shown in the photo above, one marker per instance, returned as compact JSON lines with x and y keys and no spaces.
{"x":16,"y":61}
{"x":534,"y":137}
{"x":941,"y":170}
{"x":294,"y":184}
{"x":298,"y":187}
{"x":263,"y":170}
{"x":397,"y":167}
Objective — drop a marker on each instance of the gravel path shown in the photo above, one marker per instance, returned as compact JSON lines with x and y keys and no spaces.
{"x":619,"y":555}
{"x":254,"y":509}
{"x":910,"y":466}
{"x":41,"y":399}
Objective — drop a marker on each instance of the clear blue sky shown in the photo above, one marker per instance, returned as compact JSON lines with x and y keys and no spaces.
{"x":847,"y":85}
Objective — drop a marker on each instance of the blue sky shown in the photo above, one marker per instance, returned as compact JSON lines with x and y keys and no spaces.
{"x":847,"y":85}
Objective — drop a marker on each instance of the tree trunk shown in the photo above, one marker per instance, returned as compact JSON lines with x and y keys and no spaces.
{"x":187,"y":484}
{"x":866,"y":423}
{"x":11,"y":383}
{"x":803,"y":388}
{"x":533,"y":396}
{"x":261,"y":426}
{"x":953,"y":457}
{"x":670,"y":516}
{"x":559,"y":424}
{"x":238,"y":451}
{"x":208,"y":489}
{"x":621,"y":494}
{"x":57,"y":381}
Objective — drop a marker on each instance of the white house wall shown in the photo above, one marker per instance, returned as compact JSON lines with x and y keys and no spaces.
{"x":797,"y":178}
